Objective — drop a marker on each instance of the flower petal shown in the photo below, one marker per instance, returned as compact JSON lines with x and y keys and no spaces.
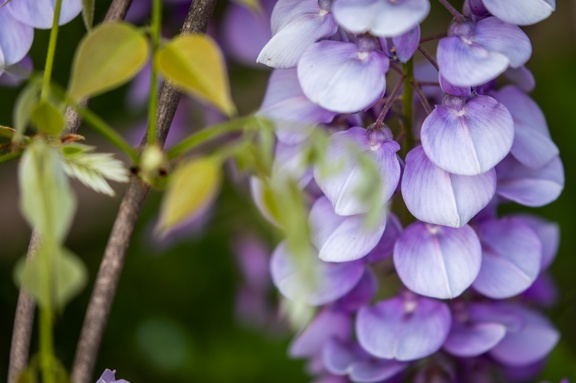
{"x":312,"y":281}
{"x":40,"y":13}
{"x":532,"y":145}
{"x":530,"y":187}
{"x":293,"y":114}
{"x":549,"y":234}
{"x":375,"y":370}
{"x":15,"y":38}
{"x":361,"y":294}
{"x":467,"y":340}
{"x":435,"y":261}
{"x":468,"y":140}
{"x":385,"y":248}
{"x":342,"y":238}
{"x":521,"y":12}
{"x":342,"y":188}
{"x":403,"y":329}
{"x":328,"y":324}
{"x":339,"y":77}
{"x":511,"y":256}
{"x":507,"y":39}
{"x":385,"y":18}
{"x":435,"y":196}
{"x":529,"y":343}
{"x":289,"y":42}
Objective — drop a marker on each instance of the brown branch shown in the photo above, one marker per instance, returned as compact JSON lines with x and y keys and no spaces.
{"x":23,"y":322}
{"x":114,"y":255}
{"x":25,"y":308}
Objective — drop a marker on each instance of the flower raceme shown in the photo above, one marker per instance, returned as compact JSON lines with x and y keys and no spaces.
{"x":448,"y":281}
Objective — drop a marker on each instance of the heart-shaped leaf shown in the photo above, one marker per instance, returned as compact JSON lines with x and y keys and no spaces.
{"x":194,"y":64}
{"x":109,"y":56}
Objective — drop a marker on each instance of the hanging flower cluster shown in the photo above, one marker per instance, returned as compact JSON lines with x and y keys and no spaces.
{"x":453,"y":295}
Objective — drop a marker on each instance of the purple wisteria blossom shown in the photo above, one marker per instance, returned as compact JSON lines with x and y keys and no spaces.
{"x":416,"y":274}
{"x":109,"y":376}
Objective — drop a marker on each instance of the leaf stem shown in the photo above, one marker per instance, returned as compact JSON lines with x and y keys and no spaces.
{"x":153,"y":98}
{"x":51,"y":50}
{"x":207,"y":134}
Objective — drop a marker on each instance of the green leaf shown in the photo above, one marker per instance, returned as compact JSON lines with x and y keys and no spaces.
{"x":107,"y":57}
{"x":88,"y":13}
{"x":46,"y":199}
{"x":26,"y":101}
{"x":47,"y":119}
{"x":194,"y":64}
{"x":191,"y":189}
{"x":56,"y":267}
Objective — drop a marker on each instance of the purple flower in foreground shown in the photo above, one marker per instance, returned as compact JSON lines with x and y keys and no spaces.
{"x":40,"y":13}
{"x":109,"y":376}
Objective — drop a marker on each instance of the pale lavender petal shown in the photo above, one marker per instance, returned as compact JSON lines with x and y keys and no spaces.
{"x":290,"y":162}
{"x":376,"y":370}
{"x":532,"y":145}
{"x":435,"y":261}
{"x":312,"y":281}
{"x":246,"y":32}
{"x":40,"y":13}
{"x":342,"y":238}
{"x":402,"y":47}
{"x":530,"y":187}
{"x":340,"y":77}
{"x":403,"y":329}
{"x":289,"y":42}
{"x":521,"y":12}
{"x":511,"y":256}
{"x":522,"y":78}
{"x":549,"y":234}
{"x":435,"y":196}
{"x":15,"y":74}
{"x":15,"y":38}
{"x":286,"y":10}
{"x":338,"y":356}
{"x":385,"y":18}
{"x":109,"y":376}
{"x":468,"y":139}
{"x":529,"y":343}
{"x":466,"y":64}
{"x":293,"y":114}
{"x":507,"y":39}
{"x":472,"y":339}
{"x":348,"y":173}
{"x":328,"y":324}
{"x":361,"y":294}
{"x":385,"y":248}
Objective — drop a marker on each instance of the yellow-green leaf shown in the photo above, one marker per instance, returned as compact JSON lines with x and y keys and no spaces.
{"x":107,"y":57}
{"x":191,"y":189}
{"x":194,"y":64}
{"x":47,"y":119}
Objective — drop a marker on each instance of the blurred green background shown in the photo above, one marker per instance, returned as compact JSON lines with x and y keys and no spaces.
{"x":173,"y":319}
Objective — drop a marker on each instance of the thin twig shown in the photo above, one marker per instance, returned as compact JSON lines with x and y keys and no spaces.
{"x":422,"y":97}
{"x":25,"y":308}
{"x":433,"y":38}
{"x":457,"y":15}
{"x":388,"y":105}
{"x":114,"y":255}
{"x":428,"y":57}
